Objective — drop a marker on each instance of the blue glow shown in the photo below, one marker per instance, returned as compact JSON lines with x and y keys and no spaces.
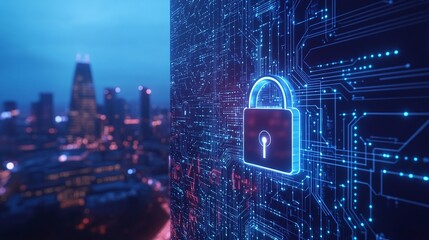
{"x":410,"y":175}
{"x":287,"y":96}
{"x":5,"y":115}
{"x":425,"y":178}
{"x":405,"y":114}
{"x":58,"y":119}
{"x":346,"y":151}
{"x":124,"y":38}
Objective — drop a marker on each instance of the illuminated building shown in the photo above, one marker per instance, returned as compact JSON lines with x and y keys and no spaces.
{"x":83,"y":113}
{"x":110,"y":105}
{"x":44,"y":114}
{"x":145,"y":123}
{"x":114,"y":110}
{"x":71,"y":179}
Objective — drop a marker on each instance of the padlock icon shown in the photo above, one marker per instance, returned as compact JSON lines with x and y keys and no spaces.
{"x":271,"y":136}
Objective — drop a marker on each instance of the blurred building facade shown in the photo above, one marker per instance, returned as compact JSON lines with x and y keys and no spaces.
{"x":115,"y":110}
{"x":145,"y":120}
{"x":83,"y":108}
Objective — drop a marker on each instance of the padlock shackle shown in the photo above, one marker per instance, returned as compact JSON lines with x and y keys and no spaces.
{"x":281,"y":83}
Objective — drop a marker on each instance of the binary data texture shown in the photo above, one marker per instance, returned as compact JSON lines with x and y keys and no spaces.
{"x":360,"y":70}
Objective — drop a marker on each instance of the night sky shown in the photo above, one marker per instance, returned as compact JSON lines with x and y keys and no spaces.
{"x":128,"y":43}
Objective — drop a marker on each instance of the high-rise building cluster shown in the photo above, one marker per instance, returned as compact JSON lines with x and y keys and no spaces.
{"x":112,"y":124}
{"x":91,"y":167}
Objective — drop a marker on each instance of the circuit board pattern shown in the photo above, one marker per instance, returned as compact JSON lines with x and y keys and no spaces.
{"x":360,"y":72}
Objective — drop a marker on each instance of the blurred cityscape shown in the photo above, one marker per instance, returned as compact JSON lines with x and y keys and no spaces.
{"x":97,"y":171}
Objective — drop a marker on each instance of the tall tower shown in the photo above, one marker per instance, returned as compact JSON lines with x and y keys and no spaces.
{"x":114,"y":109}
{"x":83,"y":108}
{"x":45,"y":114}
{"x":145,"y":127}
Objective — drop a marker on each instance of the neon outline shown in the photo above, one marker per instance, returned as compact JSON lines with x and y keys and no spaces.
{"x":286,"y":91}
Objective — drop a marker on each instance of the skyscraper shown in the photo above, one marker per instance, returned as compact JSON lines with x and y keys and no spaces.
{"x":145,"y":123}
{"x":45,"y":114}
{"x":114,"y":109}
{"x":83,"y":108}
{"x":110,"y":102}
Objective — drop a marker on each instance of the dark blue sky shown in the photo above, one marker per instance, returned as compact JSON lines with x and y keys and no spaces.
{"x":128,"y":42}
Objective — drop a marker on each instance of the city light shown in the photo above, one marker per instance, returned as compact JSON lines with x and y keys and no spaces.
{"x":62,"y":158}
{"x":156,"y":123}
{"x":72,"y":161}
{"x":6,"y":115}
{"x":131,"y":121}
{"x":10,"y":166}
{"x":58,"y":119}
{"x":14,"y":113}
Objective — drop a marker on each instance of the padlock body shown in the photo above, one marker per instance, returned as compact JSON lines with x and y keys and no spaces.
{"x":279,"y":124}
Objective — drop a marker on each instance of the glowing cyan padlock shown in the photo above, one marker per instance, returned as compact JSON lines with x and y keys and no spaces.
{"x":271,"y":136}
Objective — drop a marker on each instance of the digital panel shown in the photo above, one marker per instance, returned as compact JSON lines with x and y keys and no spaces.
{"x":359,"y":70}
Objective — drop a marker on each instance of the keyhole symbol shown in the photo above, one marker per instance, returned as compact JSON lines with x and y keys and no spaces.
{"x":265,"y":141}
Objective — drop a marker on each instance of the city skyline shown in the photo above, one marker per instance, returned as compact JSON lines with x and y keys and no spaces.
{"x":63,"y":108}
{"x":128,"y":46}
